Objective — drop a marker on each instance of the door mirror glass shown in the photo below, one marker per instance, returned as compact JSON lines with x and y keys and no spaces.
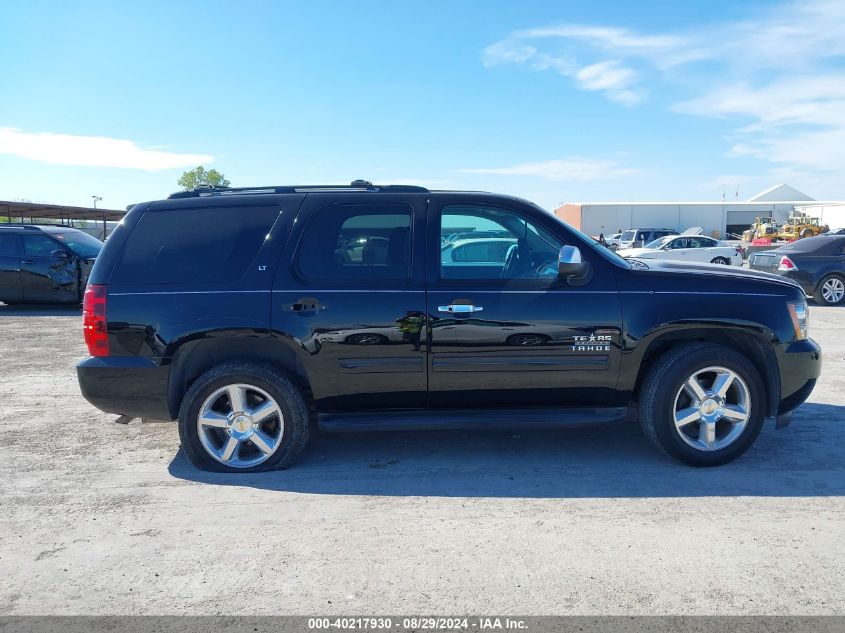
{"x":60,"y":254}
{"x":569,"y":263}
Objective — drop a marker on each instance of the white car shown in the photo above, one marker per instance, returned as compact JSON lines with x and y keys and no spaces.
{"x":687,"y":248}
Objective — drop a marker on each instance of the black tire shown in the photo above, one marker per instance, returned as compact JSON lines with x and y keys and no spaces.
{"x":664,"y":381}
{"x":527,"y":340}
{"x":818,"y":295}
{"x":807,"y":233}
{"x":295,"y":418}
{"x":365,"y":338}
{"x":720,"y":260}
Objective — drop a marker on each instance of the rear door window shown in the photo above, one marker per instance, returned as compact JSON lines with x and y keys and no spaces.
{"x":204,"y":244}
{"x":8,"y":244}
{"x":363,"y":242}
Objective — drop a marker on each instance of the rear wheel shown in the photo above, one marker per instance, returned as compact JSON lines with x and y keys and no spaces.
{"x":830,"y":291}
{"x":720,"y":260}
{"x":527,"y":340}
{"x":243,"y":417}
{"x":702,"y":404}
{"x":807,"y":233}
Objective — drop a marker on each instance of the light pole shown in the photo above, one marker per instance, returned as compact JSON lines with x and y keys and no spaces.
{"x":96,"y":200}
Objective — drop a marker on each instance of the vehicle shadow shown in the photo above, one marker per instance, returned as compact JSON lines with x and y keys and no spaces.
{"x":33,"y":309}
{"x":805,"y":459}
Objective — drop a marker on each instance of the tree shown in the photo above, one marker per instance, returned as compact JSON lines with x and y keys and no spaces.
{"x":199,"y":177}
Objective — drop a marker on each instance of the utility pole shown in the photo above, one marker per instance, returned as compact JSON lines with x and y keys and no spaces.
{"x":96,"y":200}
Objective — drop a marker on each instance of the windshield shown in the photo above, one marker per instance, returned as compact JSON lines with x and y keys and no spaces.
{"x":80,"y":243}
{"x":628,"y":236}
{"x":660,"y":242}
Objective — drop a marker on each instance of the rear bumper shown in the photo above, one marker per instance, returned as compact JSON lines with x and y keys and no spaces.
{"x":800,"y":366}
{"x":125,"y":385}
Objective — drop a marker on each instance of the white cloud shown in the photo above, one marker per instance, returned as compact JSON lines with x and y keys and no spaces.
{"x":778,"y":73}
{"x":569,"y":169}
{"x":92,"y":151}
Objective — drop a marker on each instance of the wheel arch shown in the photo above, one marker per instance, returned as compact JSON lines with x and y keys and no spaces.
{"x":194,"y":358}
{"x":753,"y":343}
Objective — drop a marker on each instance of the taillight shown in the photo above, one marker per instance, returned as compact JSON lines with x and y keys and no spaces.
{"x":786,"y":264}
{"x":94,"y":320}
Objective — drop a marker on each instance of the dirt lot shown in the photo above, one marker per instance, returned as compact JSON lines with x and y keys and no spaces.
{"x":99,"y":518}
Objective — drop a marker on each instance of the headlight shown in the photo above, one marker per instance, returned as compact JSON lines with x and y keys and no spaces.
{"x":800,"y":317}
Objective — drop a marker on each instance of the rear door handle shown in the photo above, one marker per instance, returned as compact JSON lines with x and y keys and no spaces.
{"x":460,"y":308}
{"x":27,"y":261}
{"x":306,"y":305}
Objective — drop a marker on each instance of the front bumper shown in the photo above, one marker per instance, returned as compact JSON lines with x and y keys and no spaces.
{"x":800,"y":366}
{"x":125,"y":385}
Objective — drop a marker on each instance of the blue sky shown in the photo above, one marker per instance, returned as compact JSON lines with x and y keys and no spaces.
{"x":553,"y":101}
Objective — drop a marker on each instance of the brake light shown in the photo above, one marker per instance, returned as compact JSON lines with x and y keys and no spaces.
{"x":786,"y":264}
{"x":94,"y":320}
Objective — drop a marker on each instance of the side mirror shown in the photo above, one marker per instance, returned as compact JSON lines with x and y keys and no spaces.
{"x":571,"y":267}
{"x":60,"y":254}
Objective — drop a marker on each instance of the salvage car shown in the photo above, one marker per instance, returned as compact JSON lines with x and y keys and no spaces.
{"x":690,"y":248}
{"x":817,"y":264}
{"x":44,"y":264}
{"x":230,"y":309}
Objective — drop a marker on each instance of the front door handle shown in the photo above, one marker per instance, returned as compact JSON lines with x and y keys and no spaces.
{"x":460,"y":308}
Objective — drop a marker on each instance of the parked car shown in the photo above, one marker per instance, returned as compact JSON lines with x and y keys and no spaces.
{"x":692,"y":248}
{"x":44,"y":264}
{"x":816,"y":263}
{"x":836,"y":231}
{"x":635,"y":238}
{"x":207,"y":307}
{"x":612,"y":240}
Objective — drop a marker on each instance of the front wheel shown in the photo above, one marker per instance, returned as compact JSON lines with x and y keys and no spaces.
{"x":720,"y":260}
{"x":243,"y":417}
{"x":702,"y":403}
{"x":831,"y":291}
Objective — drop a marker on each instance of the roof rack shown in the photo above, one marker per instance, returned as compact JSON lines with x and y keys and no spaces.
{"x":355,"y":185}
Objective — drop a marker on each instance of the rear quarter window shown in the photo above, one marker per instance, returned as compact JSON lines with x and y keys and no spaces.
{"x":205,"y":244}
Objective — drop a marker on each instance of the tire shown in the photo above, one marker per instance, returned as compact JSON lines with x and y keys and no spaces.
{"x":283,"y":431}
{"x":663,"y":393}
{"x":365,"y":338}
{"x":720,"y":260}
{"x":527,"y":340}
{"x":807,"y":233}
{"x":830,"y":291}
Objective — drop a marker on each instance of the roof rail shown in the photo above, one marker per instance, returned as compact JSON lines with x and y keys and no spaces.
{"x":355,"y":185}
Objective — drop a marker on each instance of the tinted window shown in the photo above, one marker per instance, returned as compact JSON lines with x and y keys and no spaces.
{"x":627,"y":236}
{"x":214,"y":244}
{"x":524,"y":250}
{"x":39,"y":245}
{"x":357,"y":242}
{"x":8,"y":244}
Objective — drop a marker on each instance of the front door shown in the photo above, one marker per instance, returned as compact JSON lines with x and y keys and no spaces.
{"x":351,"y":294}
{"x":504,"y":329}
{"x":10,"y":266}
{"x":44,"y":276}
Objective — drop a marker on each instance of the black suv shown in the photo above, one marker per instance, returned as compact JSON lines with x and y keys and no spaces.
{"x":44,"y":264}
{"x":249,"y":314}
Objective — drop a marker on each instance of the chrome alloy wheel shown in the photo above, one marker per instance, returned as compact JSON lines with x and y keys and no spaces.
{"x":240,"y":425}
{"x":833,"y":290}
{"x":712,"y":409}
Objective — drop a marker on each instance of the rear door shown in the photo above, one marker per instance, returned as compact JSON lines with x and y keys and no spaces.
{"x":10,"y":266}
{"x":351,"y":295}
{"x":44,"y":276}
{"x":512,"y":334}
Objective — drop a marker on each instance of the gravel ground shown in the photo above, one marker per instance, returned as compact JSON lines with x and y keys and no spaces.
{"x":100,"y":518}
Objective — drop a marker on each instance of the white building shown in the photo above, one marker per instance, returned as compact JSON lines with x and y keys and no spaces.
{"x":717,"y":218}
